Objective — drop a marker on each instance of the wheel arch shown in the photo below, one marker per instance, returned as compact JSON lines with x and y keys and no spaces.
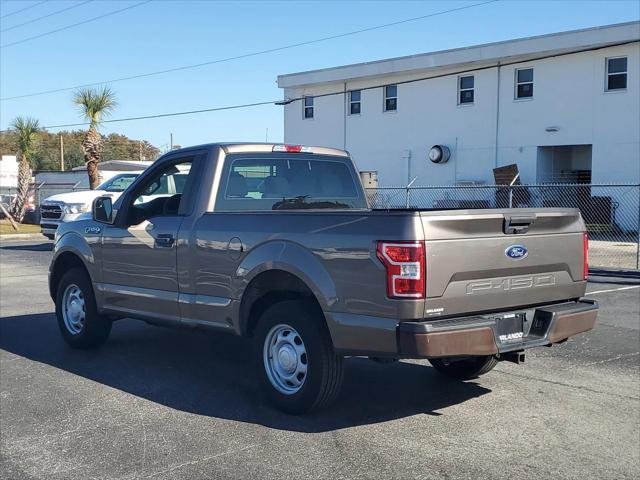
{"x":268,"y":288}
{"x":280,"y":270}
{"x":63,"y":262}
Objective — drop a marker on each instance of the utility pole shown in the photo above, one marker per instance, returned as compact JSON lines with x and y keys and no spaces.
{"x":266,"y":136}
{"x":61,"y":153}
{"x":171,"y":142}
{"x":140,"y":149}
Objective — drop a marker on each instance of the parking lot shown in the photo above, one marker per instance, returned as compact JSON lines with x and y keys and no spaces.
{"x":164,"y":404}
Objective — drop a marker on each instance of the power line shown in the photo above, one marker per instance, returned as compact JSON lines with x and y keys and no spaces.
{"x":23,"y":9}
{"x":46,"y":16}
{"x":340,"y":92}
{"x":497,"y":64}
{"x":74,"y":25}
{"x":252,"y":54}
{"x":173,"y":114}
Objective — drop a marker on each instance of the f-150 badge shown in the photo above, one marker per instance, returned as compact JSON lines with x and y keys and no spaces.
{"x":95,"y":230}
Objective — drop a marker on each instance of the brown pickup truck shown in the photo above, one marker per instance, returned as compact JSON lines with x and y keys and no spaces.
{"x":276,"y":243}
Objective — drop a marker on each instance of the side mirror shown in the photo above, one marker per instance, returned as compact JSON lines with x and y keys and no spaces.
{"x":103,"y":210}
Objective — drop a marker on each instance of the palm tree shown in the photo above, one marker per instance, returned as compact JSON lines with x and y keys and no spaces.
{"x":94,"y":103}
{"x":26,"y":130}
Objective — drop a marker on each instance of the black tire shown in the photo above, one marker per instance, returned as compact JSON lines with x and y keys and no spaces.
{"x":465,"y":369}
{"x":95,"y":328}
{"x":323,"y":378}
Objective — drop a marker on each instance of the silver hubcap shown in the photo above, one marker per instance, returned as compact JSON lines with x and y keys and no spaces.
{"x":73,"y":309}
{"x":285,"y":359}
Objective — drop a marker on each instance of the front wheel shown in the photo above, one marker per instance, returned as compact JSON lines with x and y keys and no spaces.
{"x":464,"y":369}
{"x":298,"y":368}
{"x":80,"y":323}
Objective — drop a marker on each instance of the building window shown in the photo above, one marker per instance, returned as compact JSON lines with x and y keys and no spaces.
{"x":390,"y":98}
{"x":465,"y":89}
{"x":617,"y":73}
{"x":354,"y":102}
{"x":308,"y":107}
{"x":524,"y":83}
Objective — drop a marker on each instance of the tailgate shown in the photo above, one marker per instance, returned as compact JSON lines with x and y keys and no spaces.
{"x":489,"y":260}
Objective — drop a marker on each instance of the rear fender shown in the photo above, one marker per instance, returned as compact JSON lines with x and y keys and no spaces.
{"x":291,"y":258}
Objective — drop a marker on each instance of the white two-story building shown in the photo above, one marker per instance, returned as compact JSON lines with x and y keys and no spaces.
{"x":564,"y":107}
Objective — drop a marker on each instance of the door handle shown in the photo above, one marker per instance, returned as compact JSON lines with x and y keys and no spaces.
{"x":164,"y":240}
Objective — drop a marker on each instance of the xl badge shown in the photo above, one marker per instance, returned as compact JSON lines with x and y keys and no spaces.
{"x":95,"y":230}
{"x":516,"y":252}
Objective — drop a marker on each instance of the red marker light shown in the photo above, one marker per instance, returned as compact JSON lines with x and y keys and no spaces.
{"x":291,"y":148}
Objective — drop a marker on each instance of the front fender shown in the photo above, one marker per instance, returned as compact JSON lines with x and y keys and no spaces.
{"x":82,"y":247}
{"x":292,"y":258}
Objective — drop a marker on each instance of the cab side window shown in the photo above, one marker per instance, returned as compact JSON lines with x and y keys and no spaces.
{"x":161,"y":194}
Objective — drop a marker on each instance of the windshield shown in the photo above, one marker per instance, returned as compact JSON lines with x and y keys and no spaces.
{"x":118,"y":183}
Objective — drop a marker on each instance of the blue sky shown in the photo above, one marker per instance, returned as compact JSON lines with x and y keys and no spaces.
{"x":166,"y":34}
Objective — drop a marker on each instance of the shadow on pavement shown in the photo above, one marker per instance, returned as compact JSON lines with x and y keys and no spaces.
{"x":32,"y":247}
{"x":210,"y":374}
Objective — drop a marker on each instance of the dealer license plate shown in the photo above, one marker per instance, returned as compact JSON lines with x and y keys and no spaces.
{"x":510,"y":327}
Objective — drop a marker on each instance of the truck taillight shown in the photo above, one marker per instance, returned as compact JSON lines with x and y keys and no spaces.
{"x":585,"y":255}
{"x":405,"y":265}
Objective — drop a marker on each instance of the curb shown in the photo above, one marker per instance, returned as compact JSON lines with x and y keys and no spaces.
{"x":22,"y":236}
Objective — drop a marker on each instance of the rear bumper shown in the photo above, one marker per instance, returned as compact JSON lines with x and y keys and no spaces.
{"x":480,"y":335}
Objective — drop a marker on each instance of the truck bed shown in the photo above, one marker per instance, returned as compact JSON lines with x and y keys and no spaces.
{"x":467,"y":270}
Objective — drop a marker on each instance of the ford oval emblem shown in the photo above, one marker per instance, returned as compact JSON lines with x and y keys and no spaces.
{"x":516,"y":252}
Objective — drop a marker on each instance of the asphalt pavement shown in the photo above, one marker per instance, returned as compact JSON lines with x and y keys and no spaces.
{"x":165,"y":404}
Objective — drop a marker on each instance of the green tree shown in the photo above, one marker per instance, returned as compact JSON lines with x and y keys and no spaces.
{"x":94,"y":104}
{"x":46,"y":155}
{"x":26,"y":130}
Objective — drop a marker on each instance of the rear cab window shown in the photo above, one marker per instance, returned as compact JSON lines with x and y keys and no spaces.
{"x":274,"y":181}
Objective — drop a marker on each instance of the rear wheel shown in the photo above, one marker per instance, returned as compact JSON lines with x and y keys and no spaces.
{"x":80,"y":324}
{"x":298,"y":368}
{"x":464,"y":369}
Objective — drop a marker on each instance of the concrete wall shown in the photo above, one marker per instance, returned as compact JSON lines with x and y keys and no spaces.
{"x":569,"y":94}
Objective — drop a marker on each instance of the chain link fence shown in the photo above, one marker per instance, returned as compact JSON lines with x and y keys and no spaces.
{"x":611,"y":212}
{"x":37,"y":193}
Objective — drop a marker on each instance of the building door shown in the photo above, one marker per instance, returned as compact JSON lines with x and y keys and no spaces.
{"x":564,"y":164}
{"x":567,"y":170}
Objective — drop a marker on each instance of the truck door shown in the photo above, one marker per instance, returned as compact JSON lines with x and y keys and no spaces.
{"x":139,"y":250}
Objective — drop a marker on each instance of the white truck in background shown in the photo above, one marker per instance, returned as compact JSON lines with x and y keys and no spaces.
{"x":67,"y":207}
{"x":115,"y":176}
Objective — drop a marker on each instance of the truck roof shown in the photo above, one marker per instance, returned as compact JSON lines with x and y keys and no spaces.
{"x":257,"y":147}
